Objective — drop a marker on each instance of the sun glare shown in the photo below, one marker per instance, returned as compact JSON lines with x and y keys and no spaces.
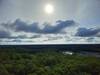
{"x":49,"y":9}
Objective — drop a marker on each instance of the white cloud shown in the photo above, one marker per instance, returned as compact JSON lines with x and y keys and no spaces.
{"x":53,"y":39}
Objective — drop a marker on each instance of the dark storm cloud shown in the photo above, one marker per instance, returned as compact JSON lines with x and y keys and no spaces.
{"x":19,"y":25}
{"x":4,"y":34}
{"x":85,"y":32}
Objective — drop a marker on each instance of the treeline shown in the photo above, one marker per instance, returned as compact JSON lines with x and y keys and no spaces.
{"x":47,"y":63}
{"x":56,"y":47}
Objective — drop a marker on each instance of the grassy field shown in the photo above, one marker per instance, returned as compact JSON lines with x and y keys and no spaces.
{"x":47,"y":63}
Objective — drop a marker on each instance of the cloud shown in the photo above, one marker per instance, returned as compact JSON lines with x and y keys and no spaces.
{"x":85,"y":32}
{"x":20,"y":25}
{"x":60,"y":25}
{"x":21,"y":29}
{"x":53,"y":39}
{"x":4,"y":34}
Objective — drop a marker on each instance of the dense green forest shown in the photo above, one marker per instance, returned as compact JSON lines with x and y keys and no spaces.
{"x":47,"y":63}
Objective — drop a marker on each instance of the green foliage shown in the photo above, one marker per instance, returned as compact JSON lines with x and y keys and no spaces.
{"x":3,"y":71}
{"x":47,"y":63}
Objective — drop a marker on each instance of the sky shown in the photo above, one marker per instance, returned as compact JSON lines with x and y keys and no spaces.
{"x":83,"y":11}
{"x":74,"y":18}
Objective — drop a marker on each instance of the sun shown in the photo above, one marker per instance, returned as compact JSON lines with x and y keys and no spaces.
{"x":49,"y":9}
